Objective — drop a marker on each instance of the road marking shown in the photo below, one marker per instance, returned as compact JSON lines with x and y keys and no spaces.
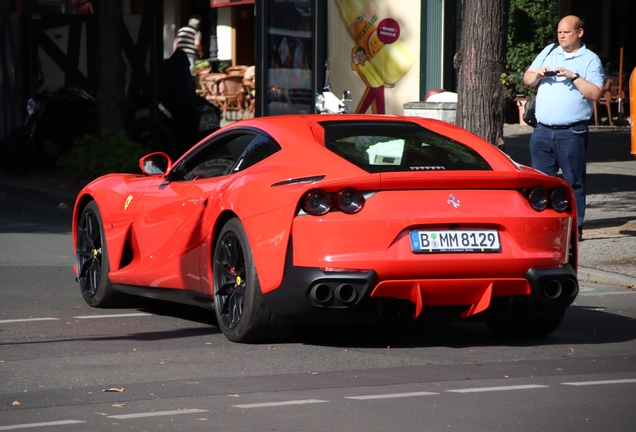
{"x":586,"y":383}
{"x":599,"y":293}
{"x":157,"y":414}
{"x":391,"y":395}
{"x":275,"y":404}
{"x":28,"y":320}
{"x":139,"y":314}
{"x":502,"y":388}
{"x":31,"y":425}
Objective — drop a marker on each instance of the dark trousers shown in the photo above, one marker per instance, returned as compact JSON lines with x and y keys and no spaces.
{"x":551,"y":149}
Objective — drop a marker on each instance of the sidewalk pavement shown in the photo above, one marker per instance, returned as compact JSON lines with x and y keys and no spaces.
{"x":607,"y":255}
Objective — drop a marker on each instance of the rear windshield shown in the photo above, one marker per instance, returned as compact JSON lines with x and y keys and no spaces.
{"x":398,"y":146}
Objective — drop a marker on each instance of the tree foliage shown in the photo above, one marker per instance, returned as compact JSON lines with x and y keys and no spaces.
{"x":93,"y":156}
{"x":531,"y":26}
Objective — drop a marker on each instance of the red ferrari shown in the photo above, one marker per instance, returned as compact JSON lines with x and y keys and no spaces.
{"x":334,"y":219}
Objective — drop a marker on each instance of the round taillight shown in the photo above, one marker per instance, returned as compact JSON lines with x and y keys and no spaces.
{"x":316,"y":203}
{"x":559,"y":199}
{"x":538,"y":198}
{"x":348,"y":201}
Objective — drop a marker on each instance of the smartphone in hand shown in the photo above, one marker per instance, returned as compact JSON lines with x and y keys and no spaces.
{"x":550,"y":73}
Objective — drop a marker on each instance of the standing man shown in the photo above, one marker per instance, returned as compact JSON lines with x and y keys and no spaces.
{"x":189,"y":40}
{"x":569,"y":79}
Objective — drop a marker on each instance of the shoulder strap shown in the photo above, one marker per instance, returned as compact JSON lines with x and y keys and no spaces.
{"x":554,"y":45}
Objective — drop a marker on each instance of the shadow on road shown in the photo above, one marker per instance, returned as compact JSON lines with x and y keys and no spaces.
{"x":581,"y":326}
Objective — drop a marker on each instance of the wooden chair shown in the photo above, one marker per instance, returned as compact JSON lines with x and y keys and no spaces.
{"x":236,"y":70}
{"x":210,"y":84}
{"x":611,"y":94}
{"x":249,"y":96}
{"x":231,"y":95}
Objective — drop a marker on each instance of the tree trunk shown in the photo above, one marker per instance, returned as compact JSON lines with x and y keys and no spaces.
{"x":110,"y":65}
{"x":481,"y":60}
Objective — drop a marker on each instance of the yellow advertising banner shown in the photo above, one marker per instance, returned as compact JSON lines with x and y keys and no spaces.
{"x":373,"y":47}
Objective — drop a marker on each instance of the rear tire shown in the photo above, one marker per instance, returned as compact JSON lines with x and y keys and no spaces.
{"x":91,"y":255}
{"x":240,"y":309}
{"x":533,"y":324}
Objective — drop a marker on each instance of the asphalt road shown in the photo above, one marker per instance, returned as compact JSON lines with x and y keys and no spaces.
{"x":67,"y":367}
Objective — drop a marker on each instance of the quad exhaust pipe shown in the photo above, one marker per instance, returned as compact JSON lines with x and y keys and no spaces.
{"x":564,"y":289}
{"x":325,"y":294}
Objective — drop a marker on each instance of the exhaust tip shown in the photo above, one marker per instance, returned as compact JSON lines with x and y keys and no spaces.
{"x":570,"y":288}
{"x":346,"y":293}
{"x":321,"y":293}
{"x":552,"y":289}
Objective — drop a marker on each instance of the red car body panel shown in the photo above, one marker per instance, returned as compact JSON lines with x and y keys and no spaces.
{"x":167,"y":227}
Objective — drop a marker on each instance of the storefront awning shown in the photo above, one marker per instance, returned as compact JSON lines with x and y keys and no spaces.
{"x":223,"y":3}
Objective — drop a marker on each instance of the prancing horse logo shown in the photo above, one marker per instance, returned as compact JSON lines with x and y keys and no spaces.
{"x":452,"y":201}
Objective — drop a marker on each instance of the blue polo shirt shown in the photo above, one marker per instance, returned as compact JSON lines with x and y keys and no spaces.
{"x":559,"y":102}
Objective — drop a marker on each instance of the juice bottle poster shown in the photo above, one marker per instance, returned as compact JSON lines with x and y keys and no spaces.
{"x":377,"y":53}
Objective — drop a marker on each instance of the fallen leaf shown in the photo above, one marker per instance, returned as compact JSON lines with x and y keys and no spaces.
{"x":16,"y":403}
{"x":118,"y":405}
{"x":114,"y":389}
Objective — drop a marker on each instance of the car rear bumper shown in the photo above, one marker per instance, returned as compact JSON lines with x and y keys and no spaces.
{"x":314,"y":296}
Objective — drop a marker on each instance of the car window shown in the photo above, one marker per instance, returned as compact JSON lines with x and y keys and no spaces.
{"x":398,"y":146}
{"x":216,"y":158}
{"x":259,"y":149}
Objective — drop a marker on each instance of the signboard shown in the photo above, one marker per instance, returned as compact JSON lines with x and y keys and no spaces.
{"x":223,"y":3}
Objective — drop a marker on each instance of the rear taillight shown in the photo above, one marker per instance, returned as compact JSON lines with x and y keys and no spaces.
{"x":318,"y":202}
{"x":540,"y":199}
{"x":348,"y":200}
{"x":559,"y":199}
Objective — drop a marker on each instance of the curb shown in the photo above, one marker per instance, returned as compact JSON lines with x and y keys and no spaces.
{"x":592,"y":275}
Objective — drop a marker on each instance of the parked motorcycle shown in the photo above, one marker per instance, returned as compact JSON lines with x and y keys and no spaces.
{"x":55,"y":119}
{"x":328,"y":103}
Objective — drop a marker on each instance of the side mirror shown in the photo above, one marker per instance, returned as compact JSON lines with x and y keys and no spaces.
{"x":155,"y":163}
{"x":346,"y":96}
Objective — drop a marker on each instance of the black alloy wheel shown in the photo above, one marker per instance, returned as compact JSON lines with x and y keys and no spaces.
{"x":91,"y":257}
{"x":240,"y":309}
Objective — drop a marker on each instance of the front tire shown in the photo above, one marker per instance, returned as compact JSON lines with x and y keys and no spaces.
{"x":240,"y":309}
{"x":91,"y":255}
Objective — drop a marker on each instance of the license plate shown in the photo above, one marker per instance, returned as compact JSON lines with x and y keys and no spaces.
{"x":455,"y":241}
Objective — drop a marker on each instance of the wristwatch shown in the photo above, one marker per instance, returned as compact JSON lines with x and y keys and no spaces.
{"x":575,"y":77}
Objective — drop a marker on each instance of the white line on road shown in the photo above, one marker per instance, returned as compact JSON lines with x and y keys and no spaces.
{"x":157,"y":413}
{"x":46,"y":424}
{"x":391,"y":395}
{"x":27,"y":320}
{"x":502,"y":388}
{"x":606,"y":293}
{"x":275,"y":404}
{"x":586,"y":383}
{"x":139,"y":314}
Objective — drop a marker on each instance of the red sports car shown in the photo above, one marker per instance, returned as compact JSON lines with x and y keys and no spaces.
{"x":334,"y":219}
